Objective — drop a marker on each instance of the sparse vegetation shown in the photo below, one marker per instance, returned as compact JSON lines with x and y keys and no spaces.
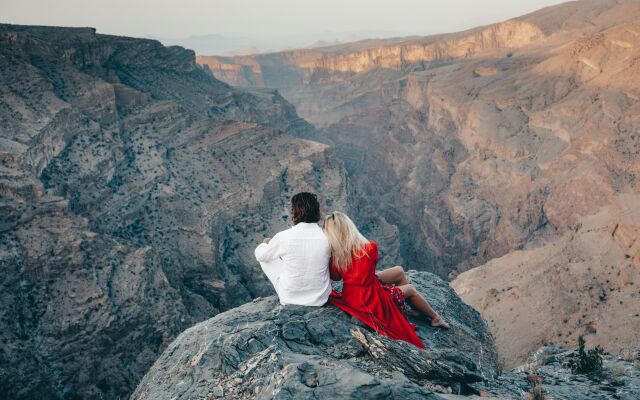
{"x":586,"y":361}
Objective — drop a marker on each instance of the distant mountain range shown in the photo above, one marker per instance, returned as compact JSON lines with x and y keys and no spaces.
{"x":241,"y":44}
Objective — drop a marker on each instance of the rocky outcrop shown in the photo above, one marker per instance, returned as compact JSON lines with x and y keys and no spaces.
{"x":265,"y":350}
{"x":133,"y":189}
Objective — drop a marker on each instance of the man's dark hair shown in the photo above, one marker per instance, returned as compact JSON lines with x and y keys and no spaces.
{"x":305,"y":208}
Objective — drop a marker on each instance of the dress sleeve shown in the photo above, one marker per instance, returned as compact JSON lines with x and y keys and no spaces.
{"x":333,"y":272}
{"x":266,"y":252}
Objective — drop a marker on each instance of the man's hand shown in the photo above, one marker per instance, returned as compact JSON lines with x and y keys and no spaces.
{"x":266,"y":240}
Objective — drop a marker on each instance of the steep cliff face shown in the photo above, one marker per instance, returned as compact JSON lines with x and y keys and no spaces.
{"x":246,"y":74}
{"x":479,"y":164}
{"x":291,"y":69}
{"x":133,"y":188}
{"x":326,"y":64}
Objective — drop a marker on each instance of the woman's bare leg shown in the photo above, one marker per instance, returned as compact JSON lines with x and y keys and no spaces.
{"x":419,"y":303}
{"x":393,"y":276}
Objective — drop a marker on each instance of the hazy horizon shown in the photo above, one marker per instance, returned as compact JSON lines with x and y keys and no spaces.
{"x":265,"y":26}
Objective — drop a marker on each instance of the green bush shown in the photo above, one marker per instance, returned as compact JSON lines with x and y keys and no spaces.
{"x":587,"y":361}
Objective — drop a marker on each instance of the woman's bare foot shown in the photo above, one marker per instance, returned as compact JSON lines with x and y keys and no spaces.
{"x":438,"y":322}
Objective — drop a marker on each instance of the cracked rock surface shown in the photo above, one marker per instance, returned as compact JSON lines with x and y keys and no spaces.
{"x":266,"y":350}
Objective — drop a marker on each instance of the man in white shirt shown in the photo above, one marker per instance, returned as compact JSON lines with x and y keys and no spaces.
{"x":296,"y":260}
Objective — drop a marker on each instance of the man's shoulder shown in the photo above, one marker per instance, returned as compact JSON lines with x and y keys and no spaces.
{"x":309,"y":231}
{"x":285,"y":233}
{"x":281,"y":234}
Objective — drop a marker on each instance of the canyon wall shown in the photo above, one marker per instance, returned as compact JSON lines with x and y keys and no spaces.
{"x":472,"y":144}
{"x":133,"y":189}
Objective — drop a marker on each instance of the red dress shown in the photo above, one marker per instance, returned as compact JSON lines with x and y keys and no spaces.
{"x":364,"y":297}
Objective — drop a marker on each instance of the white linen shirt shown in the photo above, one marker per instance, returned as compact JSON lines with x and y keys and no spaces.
{"x":305,"y":252}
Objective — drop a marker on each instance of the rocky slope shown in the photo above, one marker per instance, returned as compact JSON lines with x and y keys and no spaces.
{"x":585,"y":283}
{"x":470,"y":145}
{"x":266,"y":351}
{"x":133,"y":188}
{"x":547,"y":372}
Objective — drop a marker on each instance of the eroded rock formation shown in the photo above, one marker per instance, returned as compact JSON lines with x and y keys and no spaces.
{"x":584,"y":283}
{"x":133,"y":188}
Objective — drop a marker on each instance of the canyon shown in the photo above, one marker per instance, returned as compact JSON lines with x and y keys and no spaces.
{"x":136,"y":180}
{"x":485,"y":145}
{"x":477,"y":143}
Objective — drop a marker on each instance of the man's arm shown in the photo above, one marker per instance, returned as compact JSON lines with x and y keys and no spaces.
{"x":269,"y":249}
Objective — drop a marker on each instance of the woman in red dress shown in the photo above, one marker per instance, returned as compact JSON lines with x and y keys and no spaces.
{"x":376,"y":300}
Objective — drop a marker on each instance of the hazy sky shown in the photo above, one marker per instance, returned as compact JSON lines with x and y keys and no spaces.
{"x":181,"y":18}
{"x":262,"y":23}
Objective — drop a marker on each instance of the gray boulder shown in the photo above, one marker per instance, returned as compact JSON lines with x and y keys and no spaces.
{"x":265,"y":350}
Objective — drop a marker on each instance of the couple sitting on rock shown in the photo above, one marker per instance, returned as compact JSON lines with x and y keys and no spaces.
{"x":301,"y":260}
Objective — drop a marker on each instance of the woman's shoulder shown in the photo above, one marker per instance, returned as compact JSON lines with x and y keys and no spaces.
{"x":371,"y":245}
{"x":366,"y":249}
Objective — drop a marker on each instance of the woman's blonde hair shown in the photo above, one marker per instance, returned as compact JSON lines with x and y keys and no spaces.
{"x":345,"y":239}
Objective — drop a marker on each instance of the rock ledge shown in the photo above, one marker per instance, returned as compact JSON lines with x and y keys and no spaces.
{"x":266,"y":350}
